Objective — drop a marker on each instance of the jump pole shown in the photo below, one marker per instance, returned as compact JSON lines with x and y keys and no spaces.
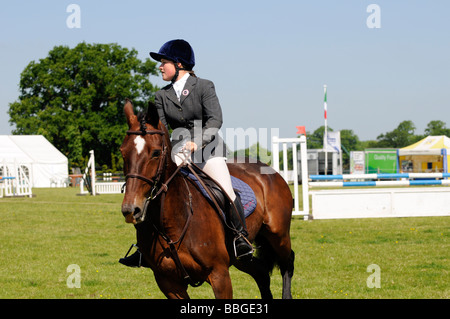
{"x":339,"y":180}
{"x":325,"y":135}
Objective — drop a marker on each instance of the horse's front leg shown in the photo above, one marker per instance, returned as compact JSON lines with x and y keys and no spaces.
{"x":220,"y":281}
{"x":171,"y":288}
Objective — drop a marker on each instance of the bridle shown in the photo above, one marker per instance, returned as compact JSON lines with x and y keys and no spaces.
{"x":157,"y":187}
{"x":153,"y":182}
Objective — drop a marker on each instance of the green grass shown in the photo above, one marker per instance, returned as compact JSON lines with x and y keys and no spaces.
{"x":41,"y":236}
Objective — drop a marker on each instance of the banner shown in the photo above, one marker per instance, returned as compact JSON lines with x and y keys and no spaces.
{"x":333,"y":142}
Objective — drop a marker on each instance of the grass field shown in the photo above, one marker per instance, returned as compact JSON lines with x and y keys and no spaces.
{"x":41,"y":236}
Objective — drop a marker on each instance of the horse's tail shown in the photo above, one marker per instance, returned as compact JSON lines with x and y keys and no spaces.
{"x":269,"y":258}
{"x":265,"y":253}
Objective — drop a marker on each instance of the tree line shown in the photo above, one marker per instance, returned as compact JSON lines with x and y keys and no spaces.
{"x":403,"y":135}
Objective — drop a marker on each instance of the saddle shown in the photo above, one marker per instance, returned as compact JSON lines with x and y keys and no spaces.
{"x":245,"y":192}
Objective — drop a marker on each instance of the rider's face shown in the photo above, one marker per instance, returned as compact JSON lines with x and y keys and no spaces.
{"x":167,"y":69}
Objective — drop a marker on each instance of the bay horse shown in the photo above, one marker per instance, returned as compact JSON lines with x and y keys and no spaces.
{"x":180,"y":234}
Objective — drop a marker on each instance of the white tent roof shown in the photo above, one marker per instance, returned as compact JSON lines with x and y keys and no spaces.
{"x":48,"y":164}
{"x":39,"y":149}
{"x":10,"y":151}
{"x":430,"y":145}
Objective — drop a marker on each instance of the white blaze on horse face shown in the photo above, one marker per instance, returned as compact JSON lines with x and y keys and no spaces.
{"x":140,"y":143}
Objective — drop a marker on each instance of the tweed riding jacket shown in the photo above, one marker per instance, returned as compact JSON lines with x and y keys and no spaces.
{"x":197,"y":117}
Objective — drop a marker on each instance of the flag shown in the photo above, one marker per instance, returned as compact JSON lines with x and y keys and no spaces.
{"x":301,"y":130}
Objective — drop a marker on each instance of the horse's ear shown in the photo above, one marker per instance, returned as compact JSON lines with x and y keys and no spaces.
{"x":152,"y":115}
{"x":129,"y":112}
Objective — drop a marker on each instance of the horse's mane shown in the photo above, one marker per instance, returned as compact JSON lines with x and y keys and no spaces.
{"x":141,"y":115}
{"x":149,"y":115}
{"x":142,"y":119}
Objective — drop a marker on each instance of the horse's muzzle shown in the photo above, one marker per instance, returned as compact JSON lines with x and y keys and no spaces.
{"x":132,"y":213}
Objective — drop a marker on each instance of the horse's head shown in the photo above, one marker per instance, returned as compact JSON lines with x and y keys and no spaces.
{"x":144,"y":152}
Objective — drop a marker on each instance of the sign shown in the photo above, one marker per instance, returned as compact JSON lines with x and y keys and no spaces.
{"x":357,"y":162}
{"x":380,"y":161}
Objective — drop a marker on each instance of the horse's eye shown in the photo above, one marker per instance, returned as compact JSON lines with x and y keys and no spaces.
{"x":156,"y":153}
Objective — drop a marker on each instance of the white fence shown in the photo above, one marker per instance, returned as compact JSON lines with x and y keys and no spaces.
{"x":369,"y":202}
{"x":108,"y":188}
{"x":380,"y":202}
{"x":98,"y":187}
{"x":372,"y":202}
{"x":301,"y":141}
{"x":15,"y":180}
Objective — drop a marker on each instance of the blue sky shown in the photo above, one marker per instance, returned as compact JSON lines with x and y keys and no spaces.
{"x":268,"y":59}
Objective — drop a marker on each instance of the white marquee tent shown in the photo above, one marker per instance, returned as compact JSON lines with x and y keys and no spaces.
{"x":49,"y":167}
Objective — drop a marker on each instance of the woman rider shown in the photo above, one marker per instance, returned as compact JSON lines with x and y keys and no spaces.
{"x":190,"y":107}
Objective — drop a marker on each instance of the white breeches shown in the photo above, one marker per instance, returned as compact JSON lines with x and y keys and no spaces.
{"x":217,"y":168}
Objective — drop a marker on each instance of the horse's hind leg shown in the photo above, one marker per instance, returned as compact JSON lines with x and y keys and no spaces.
{"x":281,"y":247}
{"x":260,"y":273}
{"x":287,"y":271}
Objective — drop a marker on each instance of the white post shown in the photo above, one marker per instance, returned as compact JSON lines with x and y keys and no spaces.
{"x":305,"y":173}
{"x":285,"y":162}
{"x":2,"y":183}
{"x":295,"y":165}
{"x":92,"y":163}
{"x":325,"y":136}
{"x":275,"y":154}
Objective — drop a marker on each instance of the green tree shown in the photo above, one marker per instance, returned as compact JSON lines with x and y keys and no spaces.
{"x":437,"y":128}
{"x":256,"y":152}
{"x":74,"y":97}
{"x":401,"y":136}
{"x":350,"y":140}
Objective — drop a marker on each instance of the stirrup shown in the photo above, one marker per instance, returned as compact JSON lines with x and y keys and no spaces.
{"x":121,"y":260}
{"x":247,"y":254}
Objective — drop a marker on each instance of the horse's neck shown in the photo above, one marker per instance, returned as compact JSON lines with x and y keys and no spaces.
{"x":171,"y":167}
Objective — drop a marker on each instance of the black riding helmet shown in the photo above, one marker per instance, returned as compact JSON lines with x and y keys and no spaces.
{"x":178,"y":51}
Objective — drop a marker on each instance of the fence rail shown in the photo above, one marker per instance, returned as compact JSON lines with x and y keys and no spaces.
{"x":108,"y":188}
{"x":378,"y":176}
{"x":380,"y":202}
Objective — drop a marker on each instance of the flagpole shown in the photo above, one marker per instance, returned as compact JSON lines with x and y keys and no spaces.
{"x":325,"y":136}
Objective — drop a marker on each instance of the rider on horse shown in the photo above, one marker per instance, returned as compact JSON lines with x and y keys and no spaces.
{"x":190,"y":107}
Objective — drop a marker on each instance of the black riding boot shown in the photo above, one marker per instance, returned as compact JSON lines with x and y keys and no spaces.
{"x":243,"y":249}
{"x":134,"y":260}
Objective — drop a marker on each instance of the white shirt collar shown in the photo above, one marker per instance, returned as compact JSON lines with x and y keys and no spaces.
{"x":179,"y":85}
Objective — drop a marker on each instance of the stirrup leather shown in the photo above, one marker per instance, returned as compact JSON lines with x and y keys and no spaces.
{"x":137,"y":251}
{"x":248,"y":242}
